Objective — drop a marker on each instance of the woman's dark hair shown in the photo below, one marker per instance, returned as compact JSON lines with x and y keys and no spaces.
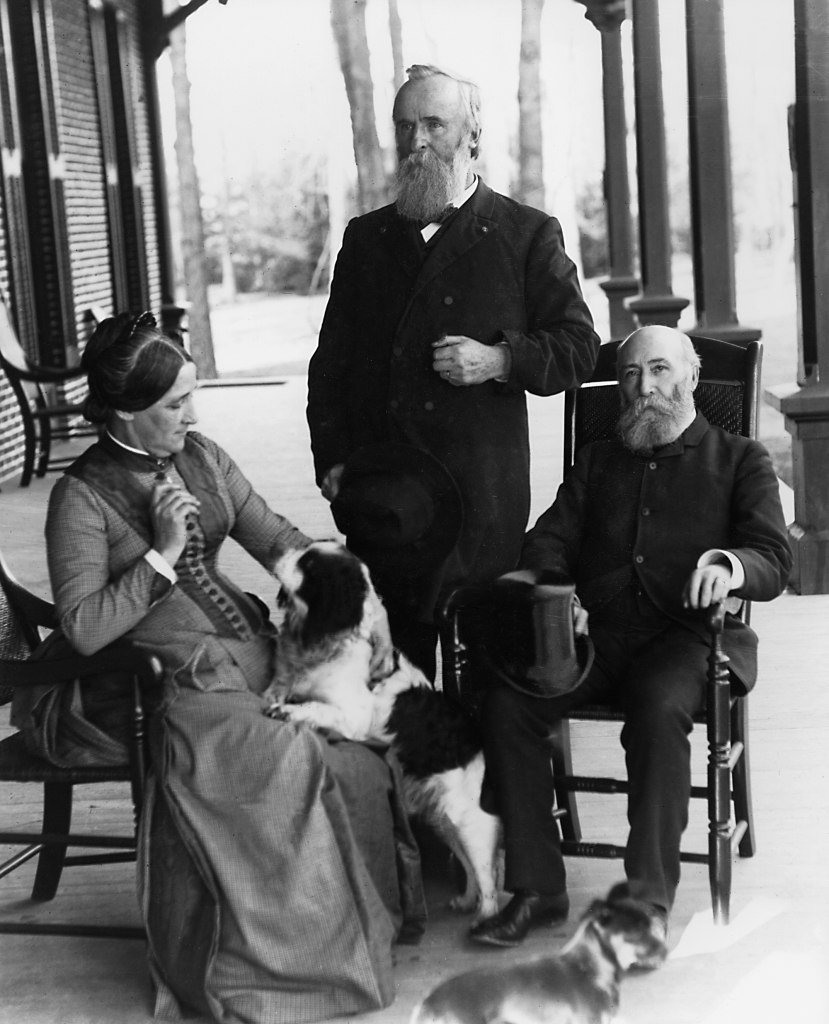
{"x":129,"y":365}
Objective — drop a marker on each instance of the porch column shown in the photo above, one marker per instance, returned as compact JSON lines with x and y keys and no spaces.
{"x":805,"y":404}
{"x":657,"y":304}
{"x":622,"y":283}
{"x":712,"y":217}
{"x":154,"y":41}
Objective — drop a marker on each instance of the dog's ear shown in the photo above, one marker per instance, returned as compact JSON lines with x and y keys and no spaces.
{"x":296,"y":612}
{"x":334,"y":590}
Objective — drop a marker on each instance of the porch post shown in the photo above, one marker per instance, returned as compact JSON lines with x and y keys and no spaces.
{"x":622,"y":283}
{"x":657,"y":304}
{"x":154,"y":41}
{"x":712,"y":218}
{"x":805,"y":405}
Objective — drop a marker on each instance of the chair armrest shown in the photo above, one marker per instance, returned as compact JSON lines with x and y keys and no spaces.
{"x":469,"y":596}
{"x":31,"y":608}
{"x":120,"y":656}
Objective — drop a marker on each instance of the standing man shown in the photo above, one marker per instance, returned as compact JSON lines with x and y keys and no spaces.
{"x":445,"y":308}
{"x":672,"y":517}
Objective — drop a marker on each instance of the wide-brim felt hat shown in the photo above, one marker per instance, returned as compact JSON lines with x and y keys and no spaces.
{"x":399,"y":508}
{"x":531,"y":644}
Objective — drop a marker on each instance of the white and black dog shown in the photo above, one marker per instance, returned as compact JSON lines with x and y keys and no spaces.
{"x":579,"y":985}
{"x":322,"y":677}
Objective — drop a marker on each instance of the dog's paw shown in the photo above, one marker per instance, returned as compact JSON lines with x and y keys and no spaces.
{"x":297,"y":713}
{"x":464,"y":903}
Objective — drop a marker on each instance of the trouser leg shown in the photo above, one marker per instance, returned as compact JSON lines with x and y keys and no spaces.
{"x":664,"y":687}
{"x":519,"y":787}
{"x":417,"y":640}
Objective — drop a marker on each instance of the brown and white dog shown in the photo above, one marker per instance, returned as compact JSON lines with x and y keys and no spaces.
{"x":580,"y":985}
{"x":322,"y":677}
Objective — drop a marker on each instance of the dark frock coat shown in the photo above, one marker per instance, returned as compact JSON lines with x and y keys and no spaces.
{"x":497,"y":273}
{"x":656,"y":515}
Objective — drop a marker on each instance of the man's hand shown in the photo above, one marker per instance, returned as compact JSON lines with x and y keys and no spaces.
{"x":462,"y":361}
{"x":580,"y":617}
{"x":330,"y":485}
{"x":707,"y":586}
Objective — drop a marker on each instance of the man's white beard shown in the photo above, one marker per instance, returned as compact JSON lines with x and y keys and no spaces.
{"x":426,"y":184}
{"x":650,"y":422}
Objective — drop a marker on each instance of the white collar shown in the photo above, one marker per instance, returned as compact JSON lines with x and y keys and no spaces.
{"x":457,"y":202}
{"x":137,"y":451}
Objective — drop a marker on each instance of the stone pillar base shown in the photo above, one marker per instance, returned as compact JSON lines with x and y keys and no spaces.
{"x":810,"y":569}
{"x":657,"y":309}
{"x":806,"y":411}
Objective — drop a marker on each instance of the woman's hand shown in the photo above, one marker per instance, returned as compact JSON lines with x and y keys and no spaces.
{"x":169,"y":507}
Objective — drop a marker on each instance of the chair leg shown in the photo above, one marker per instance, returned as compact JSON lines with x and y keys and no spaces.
{"x":741,"y":778}
{"x":45,"y":446}
{"x":562,"y":767}
{"x":57,"y":817}
{"x":719,"y":781}
{"x":29,"y":449}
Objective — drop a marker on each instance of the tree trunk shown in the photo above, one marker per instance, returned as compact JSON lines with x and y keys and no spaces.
{"x":396,"y":33}
{"x":192,"y":228}
{"x":348,"y":20}
{"x":530,"y":155}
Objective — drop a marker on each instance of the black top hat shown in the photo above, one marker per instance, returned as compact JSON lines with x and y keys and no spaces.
{"x":399,"y":508}
{"x":532,"y":645}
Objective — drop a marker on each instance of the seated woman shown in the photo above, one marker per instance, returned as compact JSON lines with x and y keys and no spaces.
{"x":268,"y":872}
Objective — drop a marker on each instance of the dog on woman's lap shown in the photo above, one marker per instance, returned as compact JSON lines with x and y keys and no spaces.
{"x":323,"y":678}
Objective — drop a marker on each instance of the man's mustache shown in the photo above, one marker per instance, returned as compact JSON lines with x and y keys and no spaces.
{"x":656,"y":402}
{"x":424,"y":158}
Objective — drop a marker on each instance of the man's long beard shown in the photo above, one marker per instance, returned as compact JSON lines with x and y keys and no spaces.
{"x":426,"y":184}
{"x":653,"y":421}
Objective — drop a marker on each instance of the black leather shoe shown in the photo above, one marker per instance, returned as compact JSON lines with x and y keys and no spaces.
{"x":526,"y":910}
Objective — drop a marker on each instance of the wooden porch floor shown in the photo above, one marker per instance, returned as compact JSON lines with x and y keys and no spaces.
{"x":774,"y":963}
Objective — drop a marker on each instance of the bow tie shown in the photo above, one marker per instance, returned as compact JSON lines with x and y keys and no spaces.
{"x":442,"y":217}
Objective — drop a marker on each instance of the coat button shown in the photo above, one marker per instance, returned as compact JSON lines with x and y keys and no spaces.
{"x":429,"y":406}
{"x":448,"y":300}
{"x":652,"y":465}
{"x":646,"y":511}
{"x":394,"y":403}
{"x":639,"y":559}
{"x":397,"y":350}
{"x":484,"y":229}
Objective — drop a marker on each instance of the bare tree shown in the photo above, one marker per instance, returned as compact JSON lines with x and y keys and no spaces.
{"x":348,"y":20}
{"x":192,"y":228}
{"x":396,"y":33}
{"x":530,"y":153}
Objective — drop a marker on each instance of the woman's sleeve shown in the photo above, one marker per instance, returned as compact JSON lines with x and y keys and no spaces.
{"x":93,"y":609}
{"x":261,"y":532}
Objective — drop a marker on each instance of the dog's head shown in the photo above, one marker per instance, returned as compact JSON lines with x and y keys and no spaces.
{"x":629,"y":929}
{"x":323,"y":591}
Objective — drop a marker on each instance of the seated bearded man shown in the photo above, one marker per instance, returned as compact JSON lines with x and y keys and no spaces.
{"x":671,"y":517}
